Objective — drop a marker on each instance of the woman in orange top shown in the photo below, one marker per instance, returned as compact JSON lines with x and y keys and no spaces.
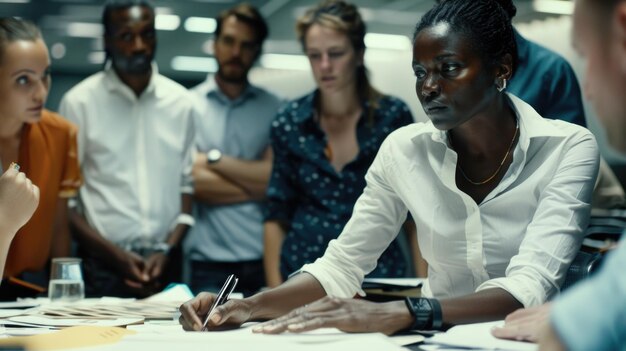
{"x":43,"y":143}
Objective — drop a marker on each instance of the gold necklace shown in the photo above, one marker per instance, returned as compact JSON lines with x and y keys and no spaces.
{"x":499,"y":167}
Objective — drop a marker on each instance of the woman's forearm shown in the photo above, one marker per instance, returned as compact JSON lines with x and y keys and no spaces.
{"x":483,"y":306}
{"x":298,"y":291}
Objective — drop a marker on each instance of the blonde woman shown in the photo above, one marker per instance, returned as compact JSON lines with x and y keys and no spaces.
{"x":324,"y":143}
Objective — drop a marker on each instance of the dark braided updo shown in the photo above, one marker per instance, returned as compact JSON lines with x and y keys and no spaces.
{"x":485,"y":23}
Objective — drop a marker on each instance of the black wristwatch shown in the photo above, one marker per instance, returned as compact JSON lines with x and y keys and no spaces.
{"x":426,"y":313}
{"x":213,"y":156}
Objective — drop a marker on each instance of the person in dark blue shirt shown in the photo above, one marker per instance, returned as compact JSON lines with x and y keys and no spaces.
{"x":546,"y":81}
{"x":324,"y":143}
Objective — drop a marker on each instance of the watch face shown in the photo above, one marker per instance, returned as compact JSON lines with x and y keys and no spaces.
{"x":213,"y":155}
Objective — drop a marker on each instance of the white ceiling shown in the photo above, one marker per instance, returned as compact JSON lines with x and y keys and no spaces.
{"x":71,"y":27}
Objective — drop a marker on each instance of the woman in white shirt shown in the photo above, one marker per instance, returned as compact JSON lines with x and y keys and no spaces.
{"x":500,"y":197}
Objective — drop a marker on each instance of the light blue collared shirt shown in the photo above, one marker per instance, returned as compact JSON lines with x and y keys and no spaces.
{"x":592,"y":316}
{"x":239,"y":128}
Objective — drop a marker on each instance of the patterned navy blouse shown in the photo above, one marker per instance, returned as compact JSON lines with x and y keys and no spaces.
{"x":308,"y":194}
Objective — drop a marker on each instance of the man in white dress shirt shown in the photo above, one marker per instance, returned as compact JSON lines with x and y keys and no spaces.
{"x":135,"y":147}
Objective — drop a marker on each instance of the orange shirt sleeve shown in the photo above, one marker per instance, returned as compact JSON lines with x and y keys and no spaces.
{"x":71,"y":179}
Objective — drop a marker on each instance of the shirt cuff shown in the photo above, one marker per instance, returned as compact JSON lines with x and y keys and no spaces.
{"x":187,"y":189}
{"x":333,"y":287}
{"x":528,"y":292}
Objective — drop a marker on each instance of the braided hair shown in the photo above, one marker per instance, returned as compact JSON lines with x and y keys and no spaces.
{"x":508,"y":7}
{"x":485,"y":22}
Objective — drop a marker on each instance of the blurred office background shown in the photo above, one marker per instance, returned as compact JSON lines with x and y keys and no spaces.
{"x":73,"y":33}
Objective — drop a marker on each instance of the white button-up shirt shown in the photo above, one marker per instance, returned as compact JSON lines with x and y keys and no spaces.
{"x":521,"y":237}
{"x":135,"y":154}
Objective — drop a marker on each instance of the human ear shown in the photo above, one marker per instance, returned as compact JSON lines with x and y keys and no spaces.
{"x":504,"y":71}
{"x":505,"y":67}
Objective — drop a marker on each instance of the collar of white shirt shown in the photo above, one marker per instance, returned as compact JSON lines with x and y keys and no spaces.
{"x":113,"y":83}
{"x":531,"y":126}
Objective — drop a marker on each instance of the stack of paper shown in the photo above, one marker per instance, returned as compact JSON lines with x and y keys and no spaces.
{"x":478,"y":336}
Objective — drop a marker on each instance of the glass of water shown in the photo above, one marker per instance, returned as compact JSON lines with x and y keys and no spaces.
{"x":66,"y":280}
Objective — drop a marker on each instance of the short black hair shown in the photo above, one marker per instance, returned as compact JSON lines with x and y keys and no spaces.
{"x":485,"y":22}
{"x":14,"y":29}
{"x":114,"y":5}
{"x":249,"y":15}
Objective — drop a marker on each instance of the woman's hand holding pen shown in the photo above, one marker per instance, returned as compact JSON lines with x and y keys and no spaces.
{"x":231,"y":314}
{"x":19,"y":198}
{"x":349,"y":315}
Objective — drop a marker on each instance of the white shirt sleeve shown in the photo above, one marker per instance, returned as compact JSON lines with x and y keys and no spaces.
{"x":69,"y":111}
{"x":555,"y":233}
{"x":375,"y":222}
{"x":189,"y":150}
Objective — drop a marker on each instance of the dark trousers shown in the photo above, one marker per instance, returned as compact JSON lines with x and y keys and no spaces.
{"x":210,"y":276}
{"x":102,"y":280}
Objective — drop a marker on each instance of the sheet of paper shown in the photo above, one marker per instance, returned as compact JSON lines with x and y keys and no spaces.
{"x":70,"y":322}
{"x":111,"y":308}
{"x":84,"y":336}
{"x":479,"y":336}
{"x":19,"y":304}
{"x":404,"y":340}
{"x":244,"y":339}
{"x":399,"y":282}
{"x":9,"y":312}
{"x":175,"y":293}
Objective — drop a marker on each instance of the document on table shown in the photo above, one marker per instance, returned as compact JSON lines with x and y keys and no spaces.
{"x":71,"y":322}
{"x":243,"y":339}
{"x":84,"y":336}
{"x":478,"y":336}
{"x":392,"y":283}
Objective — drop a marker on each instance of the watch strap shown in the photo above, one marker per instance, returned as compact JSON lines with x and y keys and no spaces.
{"x":422,"y":311}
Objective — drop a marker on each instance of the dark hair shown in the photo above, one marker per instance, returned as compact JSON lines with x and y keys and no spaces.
{"x":115,"y":5}
{"x":247,"y":14}
{"x":485,"y":22}
{"x":343,"y":17}
{"x":14,"y":29}
{"x":507,"y":5}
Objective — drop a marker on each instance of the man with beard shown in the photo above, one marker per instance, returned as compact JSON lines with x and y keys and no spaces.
{"x":135,"y":147}
{"x":234,"y":162}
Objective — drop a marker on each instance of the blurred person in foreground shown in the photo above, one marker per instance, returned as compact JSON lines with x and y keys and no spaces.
{"x":19,"y":198}
{"x":592,"y":315}
{"x":44,"y":145}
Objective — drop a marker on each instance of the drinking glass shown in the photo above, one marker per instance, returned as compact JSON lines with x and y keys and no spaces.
{"x":66,"y":280}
